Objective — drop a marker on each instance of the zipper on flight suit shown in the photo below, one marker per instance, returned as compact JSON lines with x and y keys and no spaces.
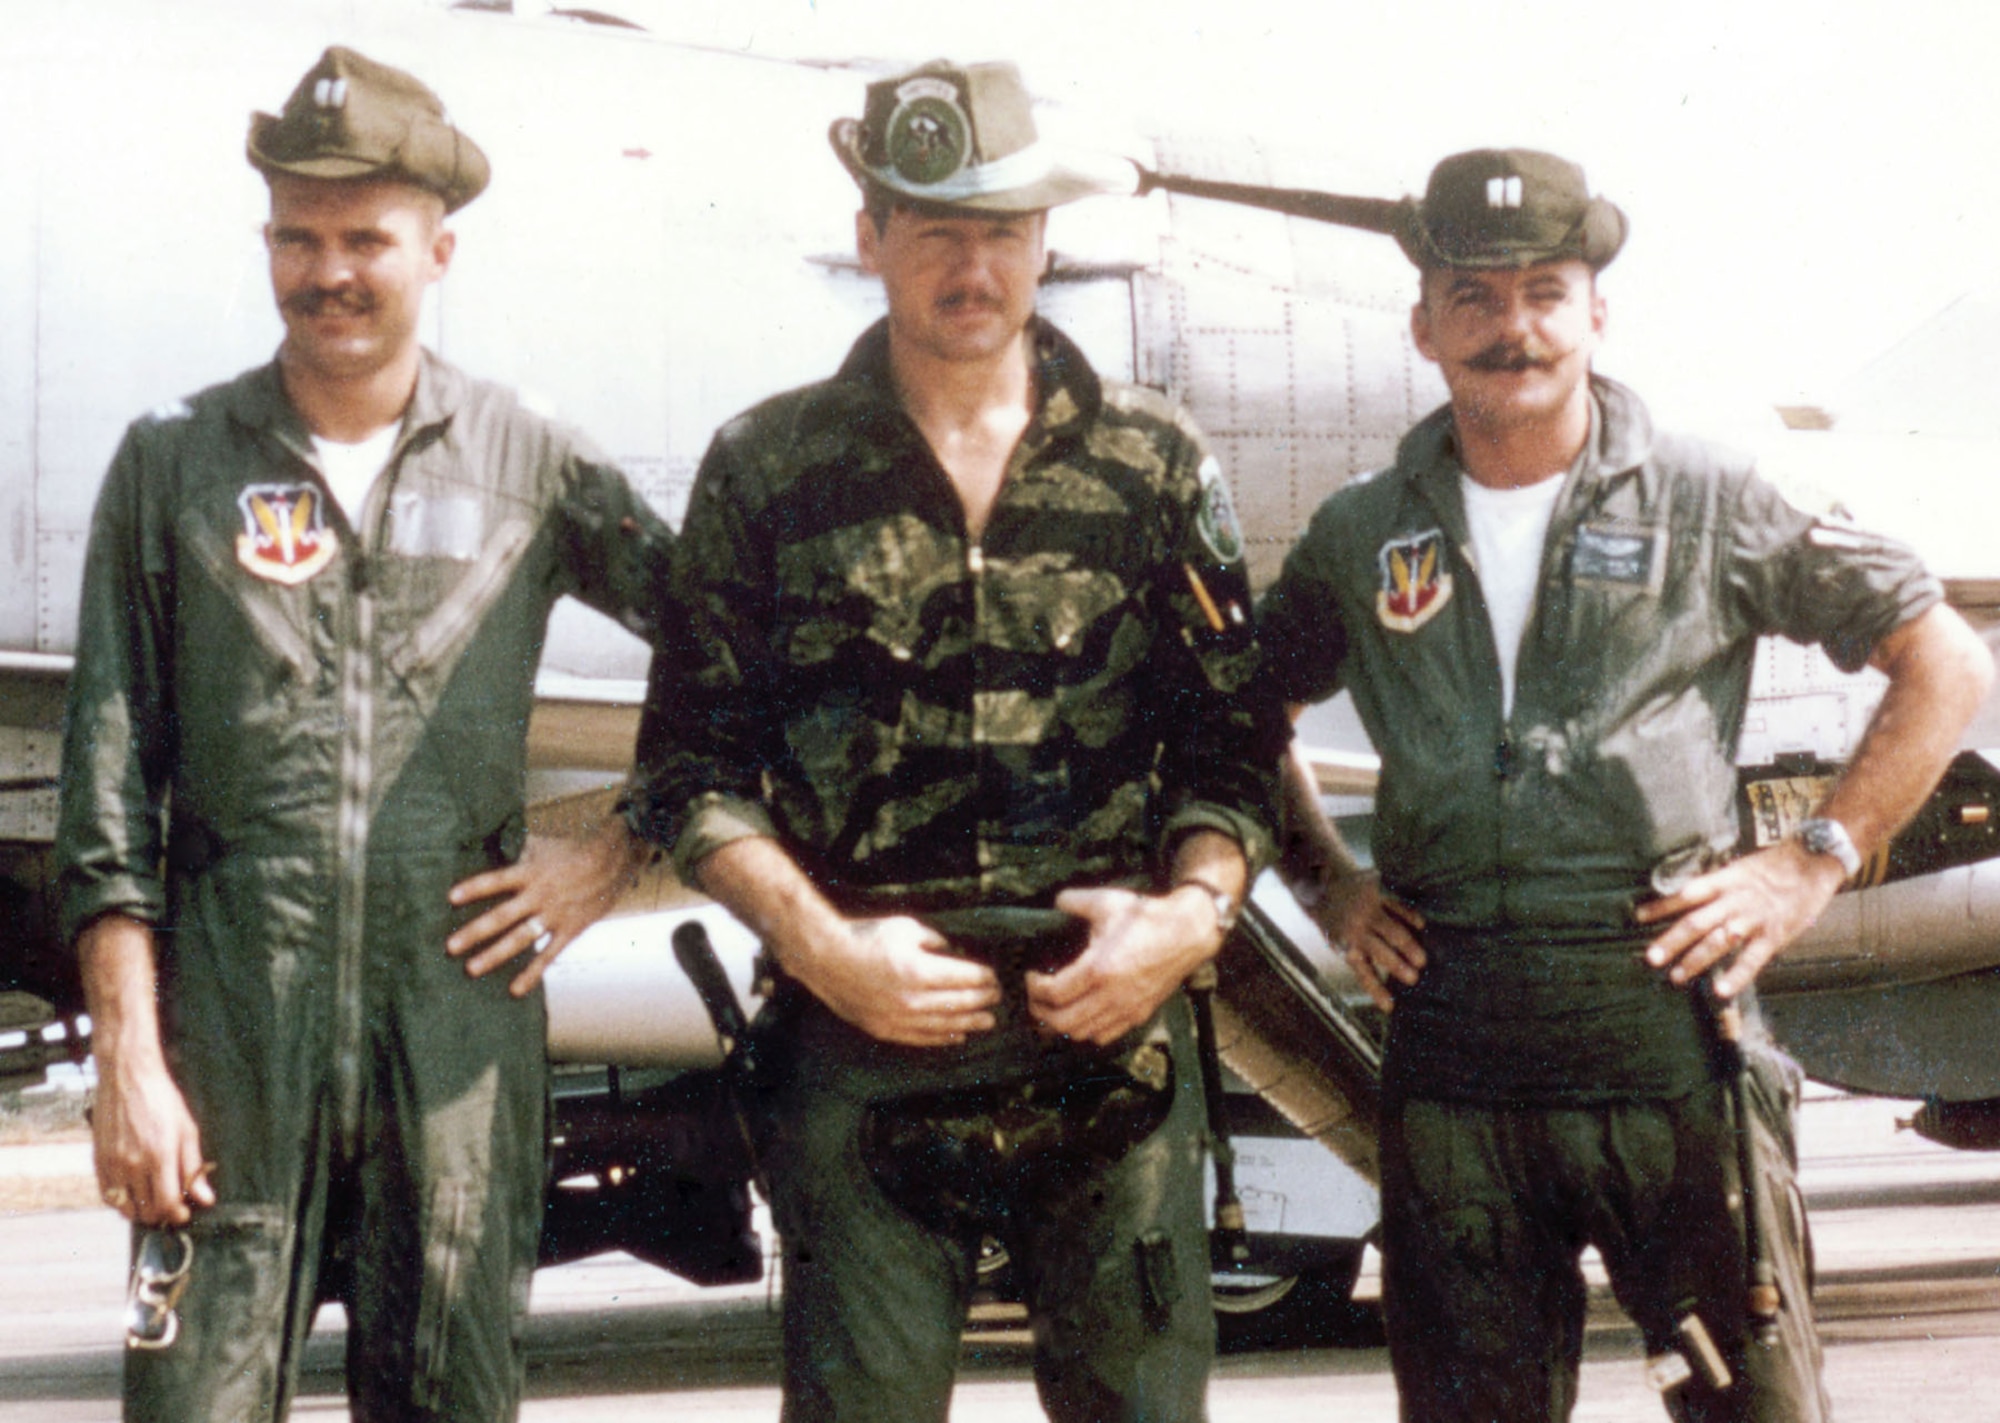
{"x":360,"y":685}
{"x":357,"y":706}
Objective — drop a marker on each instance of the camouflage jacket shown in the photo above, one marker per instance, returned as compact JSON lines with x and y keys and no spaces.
{"x":925,"y":720}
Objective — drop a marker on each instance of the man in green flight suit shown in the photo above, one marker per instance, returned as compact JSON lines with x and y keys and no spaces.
{"x":313,"y":604}
{"x":1546,"y":612}
{"x":963,"y":736}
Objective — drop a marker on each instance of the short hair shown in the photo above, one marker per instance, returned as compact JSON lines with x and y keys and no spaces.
{"x":880,"y":204}
{"x":436,"y":209}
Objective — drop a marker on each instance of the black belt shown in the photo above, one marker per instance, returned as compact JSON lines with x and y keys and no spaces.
{"x":1012,"y":940}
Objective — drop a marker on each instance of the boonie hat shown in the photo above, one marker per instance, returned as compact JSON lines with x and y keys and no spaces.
{"x":353,"y":118}
{"x":962,"y":137}
{"x":1509,"y":207}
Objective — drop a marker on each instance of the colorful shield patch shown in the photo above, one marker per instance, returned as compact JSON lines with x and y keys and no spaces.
{"x":285,"y":538}
{"x":1414,"y":583}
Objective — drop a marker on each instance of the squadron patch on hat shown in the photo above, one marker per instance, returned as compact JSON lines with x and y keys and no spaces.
{"x":929,"y":136}
{"x":1216,"y":519}
{"x":285,"y":538}
{"x":1415,"y":586}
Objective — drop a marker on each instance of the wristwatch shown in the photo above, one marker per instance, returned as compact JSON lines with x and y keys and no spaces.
{"x":1226,"y":907}
{"x":1822,"y":836}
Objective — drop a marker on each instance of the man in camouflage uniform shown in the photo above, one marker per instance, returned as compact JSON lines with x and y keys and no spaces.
{"x":969,"y":633}
{"x":304,"y":673}
{"x":1546,"y":612}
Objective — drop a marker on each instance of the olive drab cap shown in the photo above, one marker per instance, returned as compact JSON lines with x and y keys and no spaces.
{"x":353,"y":118}
{"x":962,"y":137}
{"x":1509,"y":207}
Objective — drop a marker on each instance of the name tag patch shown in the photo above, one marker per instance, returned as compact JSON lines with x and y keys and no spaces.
{"x":285,"y":538}
{"x":451,"y":527}
{"x":1612,"y":554}
{"x":1415,"y":584}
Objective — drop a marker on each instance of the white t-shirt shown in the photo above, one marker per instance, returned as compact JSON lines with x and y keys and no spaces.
{"x":1509,"y":527}
{"x":351,"y":470}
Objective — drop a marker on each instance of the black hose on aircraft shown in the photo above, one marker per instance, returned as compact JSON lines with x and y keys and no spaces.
{"x":1296,"y":1044}
{"x":1384,"y":215}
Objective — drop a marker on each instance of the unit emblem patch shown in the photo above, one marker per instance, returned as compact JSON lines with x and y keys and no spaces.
{"x":285,"y":538}
{"x":929,"y":137}
{"x":1414,"y":584}
{"x":1216,"y":519}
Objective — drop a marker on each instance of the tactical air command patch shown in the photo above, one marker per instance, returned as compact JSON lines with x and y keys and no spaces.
{"x":1414,"y":585}
{"x":928,"y":136}
{"x":285,"y":538}
{"x":1216,"y":520}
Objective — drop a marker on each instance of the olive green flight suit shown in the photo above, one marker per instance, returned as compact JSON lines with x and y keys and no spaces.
{"x":289,"y":734}
{"x":1544,"y":1089}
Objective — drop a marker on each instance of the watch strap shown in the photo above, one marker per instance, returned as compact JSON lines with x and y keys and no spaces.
{"x":1225,"y":905}
{"x":1824,"y":836}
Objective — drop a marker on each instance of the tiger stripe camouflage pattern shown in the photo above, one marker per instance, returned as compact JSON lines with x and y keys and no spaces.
{"x":927,"y":721}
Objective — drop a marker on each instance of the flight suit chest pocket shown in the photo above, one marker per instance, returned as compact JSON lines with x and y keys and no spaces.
{"x":449,"y":527}
{"x":1608,"y":615}
{"x":1619,"y":556}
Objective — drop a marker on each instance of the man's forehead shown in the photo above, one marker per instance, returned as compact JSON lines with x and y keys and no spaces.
{"x":966,"y":219}
{"x":1568,"y":271}
{"x":352,"y":199}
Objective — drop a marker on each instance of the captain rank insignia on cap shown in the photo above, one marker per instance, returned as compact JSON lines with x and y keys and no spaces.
{"x":285,"y":538}
{"x":1415,"y":586}
{"x":351,"y":117}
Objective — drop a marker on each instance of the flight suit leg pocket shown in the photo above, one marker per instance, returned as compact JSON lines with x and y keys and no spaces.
{"x":228,"y":1356}
{"x":447,"y":1226}
{"x":1159,"y":1285}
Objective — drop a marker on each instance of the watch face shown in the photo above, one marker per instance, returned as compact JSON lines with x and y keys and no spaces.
{"x":1821,"y":836}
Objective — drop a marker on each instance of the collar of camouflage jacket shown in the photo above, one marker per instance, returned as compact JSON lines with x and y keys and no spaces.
{"x":1067,"y":390}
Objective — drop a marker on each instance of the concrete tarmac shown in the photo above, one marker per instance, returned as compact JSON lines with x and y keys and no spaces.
{"x":1908,"y":1239}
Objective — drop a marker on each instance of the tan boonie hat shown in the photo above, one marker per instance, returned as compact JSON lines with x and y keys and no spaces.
{"x":1509,"y":207}
{"x":353,"y":118}
{"x":962,"y":137}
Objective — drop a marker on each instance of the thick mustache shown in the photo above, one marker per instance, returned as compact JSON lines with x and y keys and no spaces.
{"x":1513,"y":356}
{"x":984,"y":301}
{"x":318,"y":303}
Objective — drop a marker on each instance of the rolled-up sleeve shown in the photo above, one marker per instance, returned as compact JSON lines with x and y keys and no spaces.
{"x":1821,"y":580}
{"x":1223,"y":732}
{"x":707,"y":732}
